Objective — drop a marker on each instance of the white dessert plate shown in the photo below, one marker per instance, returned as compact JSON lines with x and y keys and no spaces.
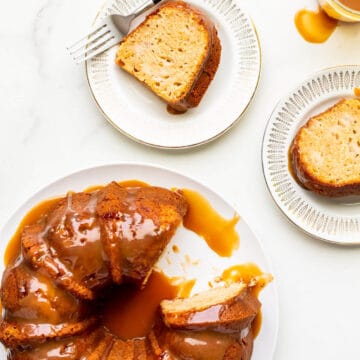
{"x":333,"y":220}
{"x":136,"y":112}
{"x":194,"y":260}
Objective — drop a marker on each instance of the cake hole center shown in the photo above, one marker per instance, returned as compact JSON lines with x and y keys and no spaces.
{"x":130,"y":313}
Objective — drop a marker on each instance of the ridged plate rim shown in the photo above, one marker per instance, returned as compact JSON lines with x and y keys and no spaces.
{"x":247,"y":49}
{"x":303,"y":208}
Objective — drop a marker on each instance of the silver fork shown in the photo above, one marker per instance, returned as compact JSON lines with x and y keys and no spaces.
{"x":108,"y":33}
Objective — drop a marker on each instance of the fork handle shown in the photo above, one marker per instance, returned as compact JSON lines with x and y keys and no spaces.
{"x":145,"y":6}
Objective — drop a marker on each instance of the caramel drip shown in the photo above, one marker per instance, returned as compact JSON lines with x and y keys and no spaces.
{"x":251,"y":275}
{"x":256,"y":324}
{"x":125,"y":183}
{"x":36,"y":214}
{"x":296,"y":175}
{"x":31,"y":301}
{"x":185,"y":287}
{"x":315,"y":26}
{"x":219,"y":233}
{"x":73,"y":234}
{"x":133,"y":183}
{"x":200,"y":345}
{"x":357,"y":92}
{"x":173,"y":111}
{"x":241,"y":273}
{"x":130,"y":312}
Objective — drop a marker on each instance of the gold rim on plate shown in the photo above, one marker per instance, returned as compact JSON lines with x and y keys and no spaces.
{"x":224,"y":11}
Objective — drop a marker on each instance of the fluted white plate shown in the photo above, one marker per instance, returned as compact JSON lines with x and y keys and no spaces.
{"x":138,"y":113}
{"x":333,"y":220}
{"x":195,"y":259}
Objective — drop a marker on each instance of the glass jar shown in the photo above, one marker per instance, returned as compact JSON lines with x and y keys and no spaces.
{"x":344,"y":10}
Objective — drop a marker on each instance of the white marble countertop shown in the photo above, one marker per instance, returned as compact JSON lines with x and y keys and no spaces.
{"x":50,"y":127}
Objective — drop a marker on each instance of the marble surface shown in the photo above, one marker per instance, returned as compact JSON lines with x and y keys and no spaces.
{"x":50,"y":126}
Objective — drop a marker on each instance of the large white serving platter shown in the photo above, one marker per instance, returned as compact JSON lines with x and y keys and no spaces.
{"x":135,"y":111}
{"x":195,"y":260}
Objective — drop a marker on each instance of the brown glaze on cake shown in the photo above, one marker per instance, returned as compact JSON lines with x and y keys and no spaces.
{"x":86,"y":248}
{"x":205,"y":345}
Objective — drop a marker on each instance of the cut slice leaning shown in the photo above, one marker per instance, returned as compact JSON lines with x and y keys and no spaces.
{"x":169,"y":52}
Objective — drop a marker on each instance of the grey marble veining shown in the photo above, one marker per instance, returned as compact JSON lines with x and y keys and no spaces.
{"x":50,"y":126}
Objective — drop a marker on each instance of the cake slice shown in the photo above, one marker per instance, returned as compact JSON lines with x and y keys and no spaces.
{"x":219,"y":321}
{"x":47,"y":246}
{"x":230,"y":308}
{"x":325,"y":153}
{"x":175,"y":52}
{"x":136,"y":225}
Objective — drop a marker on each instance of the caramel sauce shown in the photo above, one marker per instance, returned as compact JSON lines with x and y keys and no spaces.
{"x":199,"y":345}
{"x":133,"y":183}
{"x":131,"y":313}
{"x":357,"y":92}
{"x":256,"y":324}
{"x":175,"y":249}
{"x":185,"y":287}
{"x":315,"y":26}
{"x":77,"y":240}
{"x":173,"y":111}
{"x":125,"y":183}
{"x":219,"y":233}
{"x":241,"y":273}
{"x":351,"y":4}
{"x":292,"y":171}
{"x":34,"y":215}
{"x":34,"y":305}
{"x":249,"y":274}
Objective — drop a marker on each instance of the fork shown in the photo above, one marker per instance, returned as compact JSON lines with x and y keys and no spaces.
{"x":108,"y":33}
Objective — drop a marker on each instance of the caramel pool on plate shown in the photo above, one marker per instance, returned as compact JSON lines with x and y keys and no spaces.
{"x":315,"y":26}
{"x":247,"y":273}
{"x":201,"y":218}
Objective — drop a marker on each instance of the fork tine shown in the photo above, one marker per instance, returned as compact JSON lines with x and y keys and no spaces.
{"x":93,"y":35}
{"x":106,"y":45}
{"x":99,"y":42}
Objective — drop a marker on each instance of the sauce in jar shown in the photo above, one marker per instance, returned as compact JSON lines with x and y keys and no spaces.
{"x":344,"y":10}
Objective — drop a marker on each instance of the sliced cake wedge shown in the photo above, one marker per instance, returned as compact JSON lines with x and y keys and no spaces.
{"x":325,"y":153}
{"x":223,"y":308}
{"x":175,"y":52}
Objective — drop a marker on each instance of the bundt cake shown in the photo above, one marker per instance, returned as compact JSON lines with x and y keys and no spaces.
{"x":175,"y":52}
{"x":86,"y":244}
{"x":325,"y":152}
